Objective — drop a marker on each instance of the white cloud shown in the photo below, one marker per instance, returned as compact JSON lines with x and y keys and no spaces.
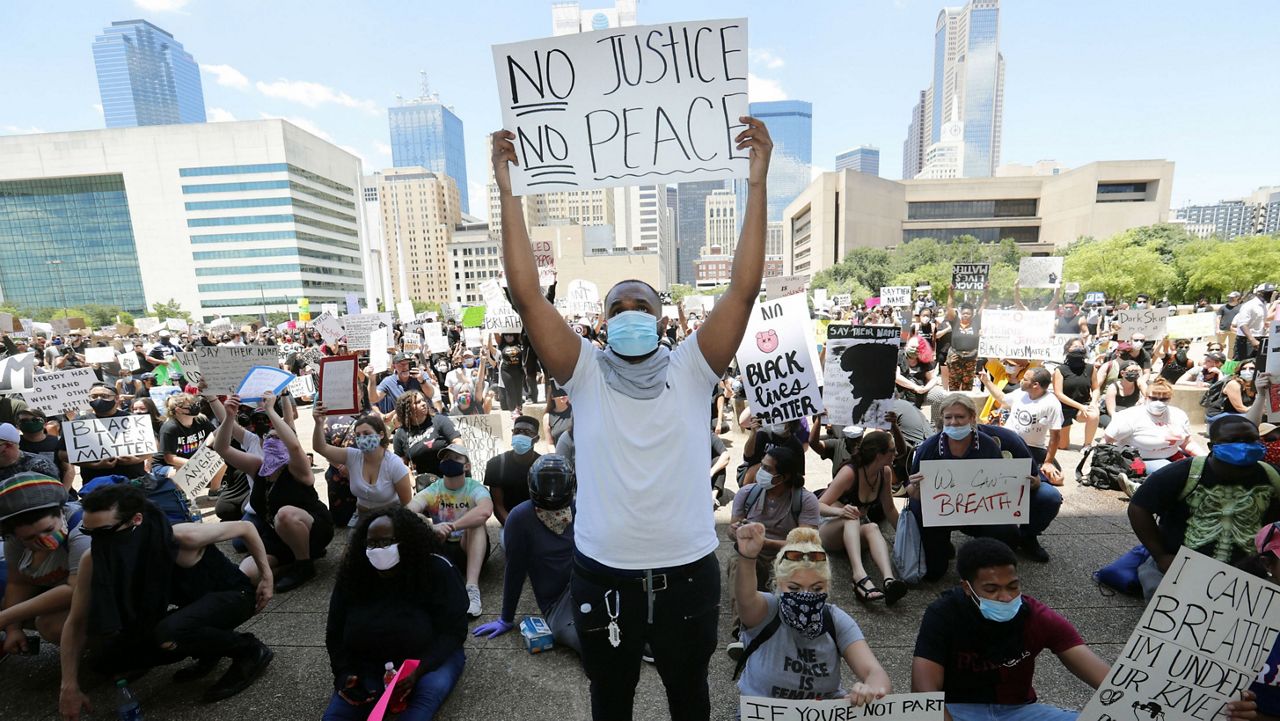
{"x":479,"y":197}
{"x":382,"y":148}
{"x":313,"y":95}
{"x":161,"y":6}
{"x":219,"y":115}
{"x":765,"y":59}
{"x":763,"y":90}
{"x":17,"y":130}
{"x":227,"y":75}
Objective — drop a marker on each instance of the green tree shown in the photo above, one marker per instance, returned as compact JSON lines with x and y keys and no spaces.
{"x":172,"y":309}
{"x":101,"y":315}
{"x":1238,"y":264}
{"x":680,"y":290}
{"x":422,"y":306}
{"x":1120,"y":266}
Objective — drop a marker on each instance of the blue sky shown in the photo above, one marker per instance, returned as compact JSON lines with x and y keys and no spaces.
{"x":1192,"y":82}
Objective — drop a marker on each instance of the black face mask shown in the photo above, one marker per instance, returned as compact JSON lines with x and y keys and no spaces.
{"x":1075,"y":358}
{"x":102,"y":406}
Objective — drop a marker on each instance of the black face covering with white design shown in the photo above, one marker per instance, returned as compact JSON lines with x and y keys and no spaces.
{"x":802,"y":610}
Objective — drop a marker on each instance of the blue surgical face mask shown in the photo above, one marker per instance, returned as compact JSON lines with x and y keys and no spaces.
{"x":998,"y":611}
{"x":957,"y":433}
{"x":521,"y":444}
{"x":1239,"y":454}
{"x":764,"y":478}
{"x":633,"y":333}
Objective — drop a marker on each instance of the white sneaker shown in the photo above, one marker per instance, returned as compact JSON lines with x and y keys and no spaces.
{"x":473,"y":593}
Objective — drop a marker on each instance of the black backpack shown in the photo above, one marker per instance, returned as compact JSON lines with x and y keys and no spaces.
{"x":1214,"y":400}
{"x":755,"y":491}
{"x":1110,"y":462}
{"x":770,"y":628}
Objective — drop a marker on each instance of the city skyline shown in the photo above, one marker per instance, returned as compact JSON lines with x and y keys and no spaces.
{"x":1065,"y":99}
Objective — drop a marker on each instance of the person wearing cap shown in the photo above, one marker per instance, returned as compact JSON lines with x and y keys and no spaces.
{"x":762,"y":438}
{"x":507,"y":474}
{"x":1208,"y":372}
{"x":43,"y":545}
{"x":36,"y":439}
{"x":539,"y":534}
{"x":14,"y":460}
{"x":163,"y":351}
{"x":1226,"y":315}
{"x":1250,"y":322}
{"x":458,"y":507}
{"x":404,"y":376}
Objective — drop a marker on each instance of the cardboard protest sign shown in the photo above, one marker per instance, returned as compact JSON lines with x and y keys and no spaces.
{"x":329,"y":326}
{"x":983,"y":492}
{"x":405,"y":311}
{"x":591,"y":110}
{"x":260,"y":380}
{"x":199,"y":471}
{"x":1040,"y":272}
{"x":358,"y":327}
{"x":896,"y":296}
{"x":471,"y":337}
{"x":61,"y":391}
{"x":1150,"y":322}
{"x":338,"y":385}
{"x":8,"y":323}
{"x":93,"y":439}
{"x":147,"y":325}
{"x":1194,"y":325}
{"x":473,"y":317}
{"x":844,"y":300}
{"x":584,"y":298}
{"x":970,"y":276}
{"x":482,"y":435}
{"x":223,"y":367}
{"x":499,"y":316}
{"x":100,"y":355}
{"x":1202,"y":638}
{"x":18,"y":373}
{"x":781,"y":286}
{"x":1022,"y":334}
{"x":898,"y":707}
{"x":862,"y":363}
{"x":379,"y":358}
{"x":777,"y":367}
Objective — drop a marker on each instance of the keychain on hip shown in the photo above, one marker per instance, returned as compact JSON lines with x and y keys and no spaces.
{"x":615,"y":634}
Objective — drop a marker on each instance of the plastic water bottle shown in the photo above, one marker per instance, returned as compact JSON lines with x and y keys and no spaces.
{"x":127,"y":706}
{"x":388,"y":677}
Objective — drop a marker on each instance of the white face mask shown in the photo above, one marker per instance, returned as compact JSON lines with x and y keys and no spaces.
{"x":764,"y":478}
{"x":1246,"y":376}
{"x":384,"y":559}
{"x":1157,"y":408}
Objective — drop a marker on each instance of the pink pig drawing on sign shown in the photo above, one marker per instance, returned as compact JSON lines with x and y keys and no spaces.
{"x":767,"y":341}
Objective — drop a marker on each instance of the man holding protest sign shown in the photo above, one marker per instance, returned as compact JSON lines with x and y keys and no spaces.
{"x":104,"y":403}
{"x":649,"y":574}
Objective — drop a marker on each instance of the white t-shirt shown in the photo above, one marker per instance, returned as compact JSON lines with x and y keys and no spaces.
{"x":1033,"y":419}
{"x":643,"y":465}
{"x":1251,"y":316}
{"x":1138,"y":428}
{"x":383,"y":491}
{"x":459,"y":380}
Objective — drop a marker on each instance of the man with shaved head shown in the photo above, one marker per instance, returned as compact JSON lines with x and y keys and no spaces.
{"x":644,"y":569}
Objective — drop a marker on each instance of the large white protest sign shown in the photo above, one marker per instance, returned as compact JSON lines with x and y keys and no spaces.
{"x":61,"y":391}
{"x":982,"y":492}
{"x":92,"y":439}
{"x":331,"y":329}
{"x":1193,"y":325}
{"x":404,"y":309}
{"x":819,"y":297}
{"x":898,"y":707}
{"x":1040,"y":272}
{"x":1022,"y":334}
{"x":437,"y":341}
{"x":338,"y":385}
{"x":18,"y":373}
{"x":1272,"y":357}
{"x":1150,"y":322}
{"x":359,"y":326}
{"x":482,"y":436}
{"x":896,"y":296}
{"x":261,"y":380}
{"x":471,"y":337}
{"x":970,"y":276}
{"x":701,"y":304}
{"x":625,"y":106}
{"x":199,"y":471}
{"x":379,"y":357}
{"x":777,"y":367}
{"x":146,"y":326}
{"x":584,"y":298}
{"x":223,"y":367}
{"x":858,"y":380}
{"x":100,"y":354}
{"x":499,"y":316}
{"x":781,"y":286}
{"x":1202,"y":638}
{"x":303,"y":386}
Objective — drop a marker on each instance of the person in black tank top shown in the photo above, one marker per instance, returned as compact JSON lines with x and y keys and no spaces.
{"x":1075,"y":383}
{"x":1125,"y":392}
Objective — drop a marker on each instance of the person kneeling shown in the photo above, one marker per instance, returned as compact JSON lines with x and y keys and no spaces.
{"x":458,"y":507}
{"x":798,"y":621}
{"x":139,"y":566}
{"x":395,"y":599}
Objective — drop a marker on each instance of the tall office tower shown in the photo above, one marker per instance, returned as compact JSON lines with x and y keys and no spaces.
{"x":145,"y":77}
{"x":968,"y":74}
{"x":791,"y":128}
{"x":419,"y":214}
{"x":691,"y":224}
{"x":426,"y":133}
{"x":913,"y":147}
{"x":862,"y":159}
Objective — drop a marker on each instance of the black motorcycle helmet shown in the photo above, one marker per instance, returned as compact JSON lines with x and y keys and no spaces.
{"x":552,"y":482}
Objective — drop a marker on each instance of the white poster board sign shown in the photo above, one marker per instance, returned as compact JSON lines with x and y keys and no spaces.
{"x":820,"y":297}
{"x":1023,"y":334}
{"x":92,"y":439}
{"x":1040,"y":272}
{"x":482,"y":435}
{"x":584,"y":298}
{"x":1150,"y":322}
{"x":896,"y":296}
{"x":18,"y":373}
{"x":858,"y":379}
{"x":1273,"y":355}
{"x":982,"y":492}
{"x":61,"y":391}
{"x":223,"y":367}
{"x":843,"y":300}
{"x":471,"y":337}
{"x":146,"y":326}
{"x":303,"y":386}
{"x":781,"y":286}
{"x":970,"y":276}
{"x":129,"y":361}
{"x":404,"y":309}
{"x":776,"y":365}
{"x":894,"y":707}
{"x":1202,"y":638}
{"x":1192,"y":325}
{"x":589,"y":111}
{"x":199,"y":471}
{"x":330,"y":328}
{"x":359,"y":326}
{"x":437,"y":341}
{"x":100,"y":354}
{"x":379,"y":358}
{"x":499,"y":316}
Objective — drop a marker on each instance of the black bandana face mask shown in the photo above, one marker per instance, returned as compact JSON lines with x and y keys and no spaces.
{"x":802,"y":610}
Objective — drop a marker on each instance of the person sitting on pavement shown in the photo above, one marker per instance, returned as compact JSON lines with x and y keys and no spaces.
{"x":978,"y":642}
{"x":378,"y":477}
{"x":1034,"y":414}
{"x":539,"y":532}
{"x":43,"y":545}
{"x":915,"y":379}
{"x":180,"y":437}
{"x":763,"y":437}
{"x":852,"y":507}
{"x":507,"y":474}
{"x":1208,"y":372}
{"x":295,"y":525}
{"x":798,"y":621}
{"x":104,"y":403}
{"x":140,"y":565}
{"x":14,"y":460}
{"x":1192,"y":497}
{"x":778,"y":500}
{"x":32,"y":423}
{"x":1238,"y":394}
{"x":1126,"y":391}
{"x":421,"y":432}
{"x":1161,"y":433}
{"x":396,"y":598}
{"x":458,"y":507}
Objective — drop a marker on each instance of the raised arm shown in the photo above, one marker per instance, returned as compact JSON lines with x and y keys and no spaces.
{"x":557,"y":345}
{"x":299,"y":465}
{"x":333,"y":454}
{"x":721,"y":334}
{"x":246,"y":462}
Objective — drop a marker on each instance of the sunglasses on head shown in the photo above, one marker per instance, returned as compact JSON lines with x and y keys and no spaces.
{"x":811,"y":556}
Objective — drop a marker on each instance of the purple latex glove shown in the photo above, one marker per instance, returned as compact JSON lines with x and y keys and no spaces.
{"x":494,"y":629}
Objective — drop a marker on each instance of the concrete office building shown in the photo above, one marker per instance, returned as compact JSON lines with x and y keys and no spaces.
{"x":862,"y":159}
{"x":223,"y":218}
{"x":1258,"y":214}
{"x":587,"y":252}
{"x":378,"y":275}
{"x":474,"y":257}
{"x":426,"y":133}
{"x":419,"y":212}
{"x":691,"y":225}
{"x":145,"y":77}
{"x":913,"y":147}
{"x":845,"y":210}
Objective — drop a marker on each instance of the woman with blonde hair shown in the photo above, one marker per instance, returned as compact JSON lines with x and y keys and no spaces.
{"x":797,"y":620}
{"x":180,"y":437}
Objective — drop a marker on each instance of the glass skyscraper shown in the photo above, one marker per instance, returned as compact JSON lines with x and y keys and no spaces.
{"x":425,"y":133}
{"x":791,"y":127}
{"x":982,"y":71}
{"x":863,"y":159}
{"x":691,"y":225}
{"x":145,"y":77}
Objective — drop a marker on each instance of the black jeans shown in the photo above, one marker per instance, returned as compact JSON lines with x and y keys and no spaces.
{"x":678,"y":619}
{"x":202,"y":629}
